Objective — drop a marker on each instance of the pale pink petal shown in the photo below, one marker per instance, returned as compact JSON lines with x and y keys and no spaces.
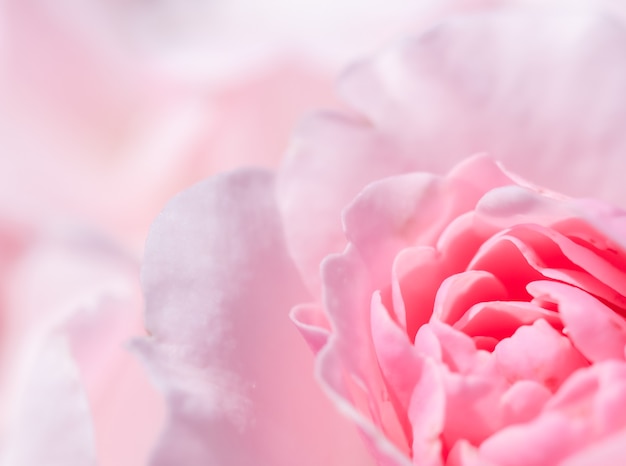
{"x":237,"y":376}
{"x":84,"y":289}
{"x":464,"y":453}
{"x":399,"y":360}
{"x":538,"y":352}
{"x":414,"y":209}
{"x":588,"y":406}
{"x":349,"y":310}
{"x":595,"y":329}
{"x":427,"y":413}
{"x":471,"y":402}
{"x":607,"y":452}
{"x":127,"y":410}
{"x":418,"y":272}
{"x":546,"y":440}
{"x":347,"y":398}
{"x":313,"y":325}
{"x":331,"y":159}
{"x":458,"y":351}
{"x":52,"y":416}
{"x":481,"y":83}
{"x":596,"y":395}
{"x":523,"y":402}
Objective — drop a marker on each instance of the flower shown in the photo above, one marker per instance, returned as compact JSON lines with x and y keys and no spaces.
{"x":487,"y":314}
{"x":472,"y":318}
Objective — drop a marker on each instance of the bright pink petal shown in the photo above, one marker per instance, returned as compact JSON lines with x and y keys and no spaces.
{"x":237,"y":376}
{"x":464,"y":453}
{"x":459,"y":292}
{"x":594,"y":329}
{"x":500,"y":319}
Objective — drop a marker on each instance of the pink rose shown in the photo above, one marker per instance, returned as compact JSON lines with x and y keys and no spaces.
{"x":466,"y":319}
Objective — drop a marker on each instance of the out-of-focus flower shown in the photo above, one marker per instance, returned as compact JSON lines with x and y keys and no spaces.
{"x":71,"y":394}
{"x":470,"y":319}
{"x":94,"y":134}
{"x":107,"y":110}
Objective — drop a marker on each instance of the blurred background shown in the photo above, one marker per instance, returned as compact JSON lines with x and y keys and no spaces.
{"x":107,"y":109}
{"x":110,"y":107}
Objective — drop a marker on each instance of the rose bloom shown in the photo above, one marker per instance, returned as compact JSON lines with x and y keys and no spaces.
{"x":454,"y":313}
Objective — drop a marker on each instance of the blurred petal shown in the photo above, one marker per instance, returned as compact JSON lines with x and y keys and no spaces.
{"x":545,"y":103}
{"x":54,"y":425}
{"x":237,"y":376}
{"x":607,"y":452}
{"x":82,"y":290}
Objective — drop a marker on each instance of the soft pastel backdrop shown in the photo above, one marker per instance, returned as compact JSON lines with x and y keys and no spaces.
{"x":107,"y":110}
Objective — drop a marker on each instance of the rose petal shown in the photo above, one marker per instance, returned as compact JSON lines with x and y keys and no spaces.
{"x":523,"y":402}
{"x":313,"y":325}
{"x":333,"y":379}
{"x":500,"y":319}
{"x":414,"y":209}
{"x":459,"y":292}
{"x":417,"y":273}
{"x":595,"y":395}
{"x":427,"y":414}
{"x":545,"y":440}
{"x":331,"y":159}
{"x":237,"y":376}
{"x":464,"y":453}
{"x":348,"y":302}
{"x":588,"y":406}
{"x":600,"y":271}
{"x":595,"y":329}
{"x":398,"y":358}
{"x":470,"y":403}
{"x":538,"y":352}
{"x":607,"y":452}
{"x":53,"y":421}
{"x":458,"y":351}
{"x":449,"y":93}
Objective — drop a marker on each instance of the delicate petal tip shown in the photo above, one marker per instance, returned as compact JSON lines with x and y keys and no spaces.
{"x":312,"y":324}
